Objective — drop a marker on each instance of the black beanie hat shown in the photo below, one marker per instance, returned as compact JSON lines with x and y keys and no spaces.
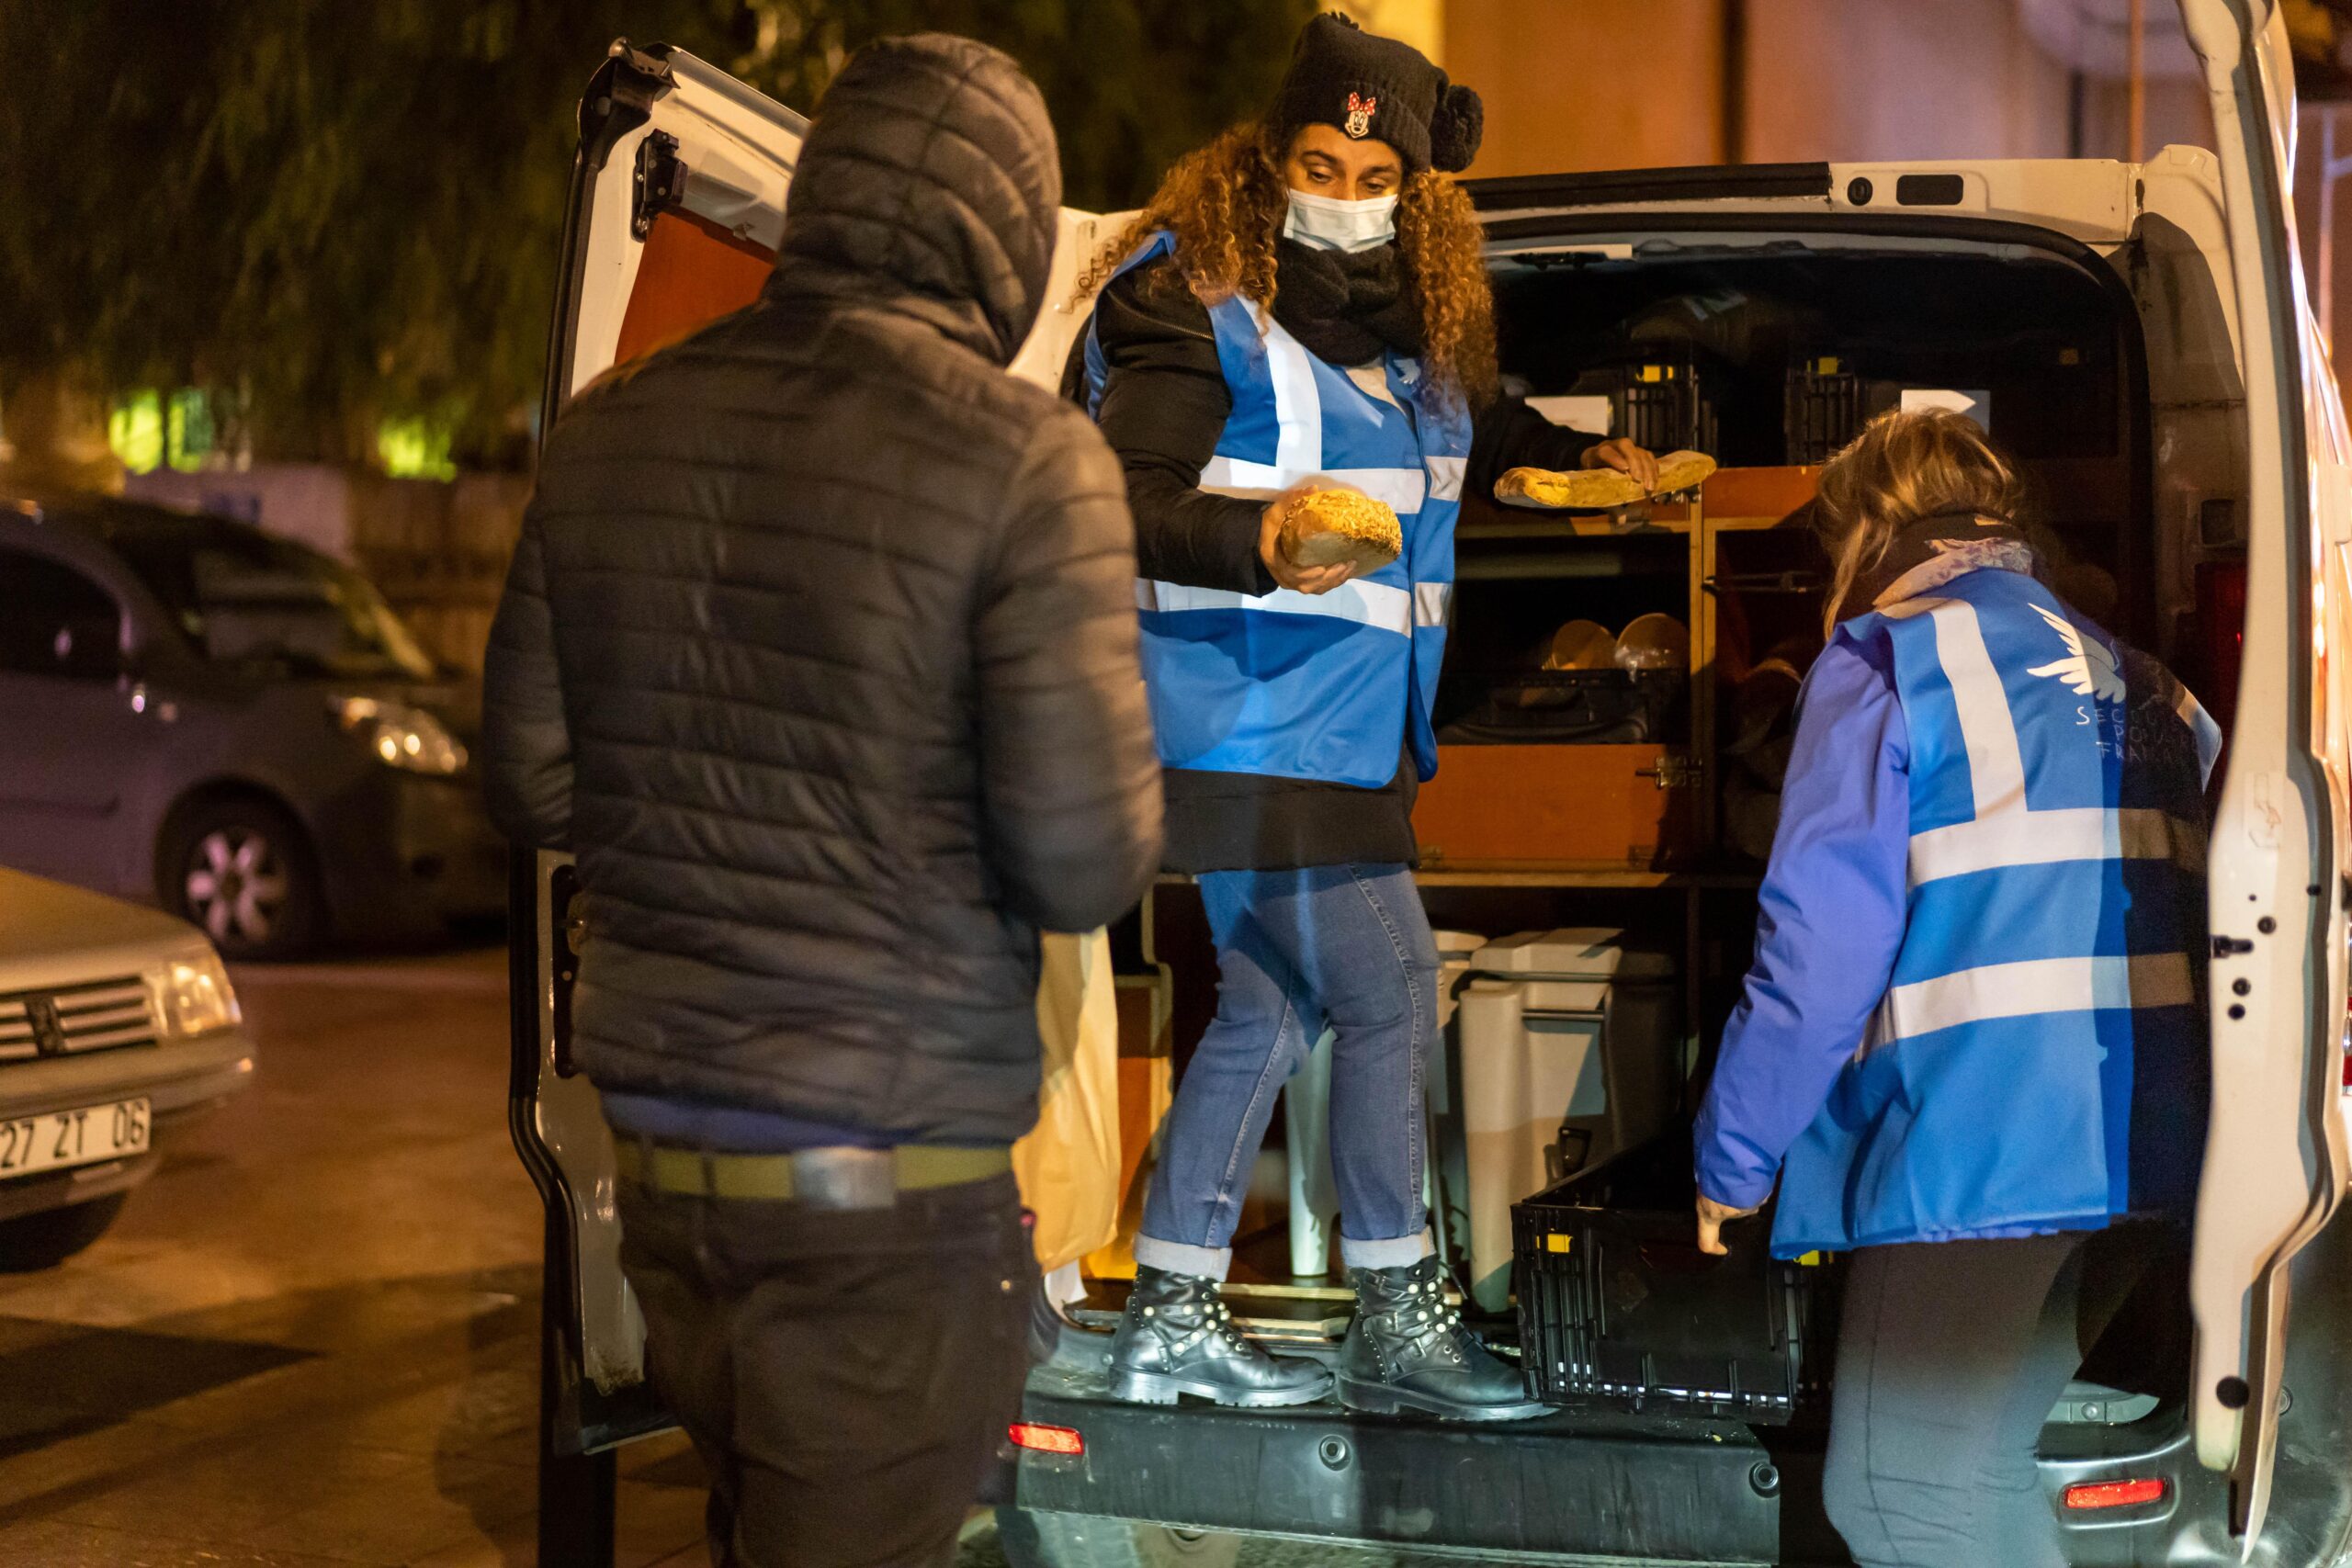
{"x":1381,"y":88}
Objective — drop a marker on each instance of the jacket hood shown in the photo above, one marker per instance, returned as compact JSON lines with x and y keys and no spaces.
{"x":931,"y":183}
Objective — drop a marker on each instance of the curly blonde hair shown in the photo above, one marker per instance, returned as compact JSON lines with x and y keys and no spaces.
{"x":1225,"y":203}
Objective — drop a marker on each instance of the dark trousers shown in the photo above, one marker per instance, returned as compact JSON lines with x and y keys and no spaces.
{"x":846,"y":1375}
{"x":1949,"y":1357}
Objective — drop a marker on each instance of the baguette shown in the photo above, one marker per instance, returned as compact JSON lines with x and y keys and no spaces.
{"x":1598,"y":488}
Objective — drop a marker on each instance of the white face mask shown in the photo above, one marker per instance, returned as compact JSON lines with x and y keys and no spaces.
{"x":1321,"y":223}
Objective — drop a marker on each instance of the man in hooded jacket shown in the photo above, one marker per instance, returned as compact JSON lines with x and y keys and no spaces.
{"x":820,"y":651}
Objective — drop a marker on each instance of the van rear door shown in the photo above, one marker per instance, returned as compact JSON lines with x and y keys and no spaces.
{"x":2274,"y":1162}
{"x":677,"y":209}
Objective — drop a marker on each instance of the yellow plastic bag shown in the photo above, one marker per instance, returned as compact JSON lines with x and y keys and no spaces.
{"x":1069,"y":1166}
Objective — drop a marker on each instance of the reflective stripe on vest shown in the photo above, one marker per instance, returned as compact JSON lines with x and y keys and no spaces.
{"x":1333,"y":686}
{"x":2051,"y":932}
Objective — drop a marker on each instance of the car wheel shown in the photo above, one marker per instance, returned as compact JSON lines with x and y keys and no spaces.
{"x":1034,"y":1538}
{"x":33,"y":1242}
{"x":242,"y":871}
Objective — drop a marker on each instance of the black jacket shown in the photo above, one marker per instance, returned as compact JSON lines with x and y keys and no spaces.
{"x":1164,"y":405}
{"x":820,"y":647}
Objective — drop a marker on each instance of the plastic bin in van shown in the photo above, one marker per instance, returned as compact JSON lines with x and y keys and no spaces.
{"x":1569,"y":1052}
{"x":1306,"y":1122}
{"x":1617,"y":1302}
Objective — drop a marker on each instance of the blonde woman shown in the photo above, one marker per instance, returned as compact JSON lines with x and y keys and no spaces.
{"x":1973,"y":1036}
{"x":1305,"y":299}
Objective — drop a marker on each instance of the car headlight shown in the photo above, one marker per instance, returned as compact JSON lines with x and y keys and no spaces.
{"x":193,"y":996}
{"x":400,"y":735}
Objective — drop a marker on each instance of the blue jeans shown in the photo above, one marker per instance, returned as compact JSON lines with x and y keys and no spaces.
{"x":1349,"y":945}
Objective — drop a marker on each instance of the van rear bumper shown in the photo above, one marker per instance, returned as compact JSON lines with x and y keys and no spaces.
{"x":1591,"y":1484}
{"x":1568,"y":1488}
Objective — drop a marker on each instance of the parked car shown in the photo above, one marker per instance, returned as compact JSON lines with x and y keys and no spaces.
{"x":117,"y":1028}
{"x":231,"y":724}
{"x":2140,"y":336}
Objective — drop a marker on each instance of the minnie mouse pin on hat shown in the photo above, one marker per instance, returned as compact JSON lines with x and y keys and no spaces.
{"x":1383,"y":88}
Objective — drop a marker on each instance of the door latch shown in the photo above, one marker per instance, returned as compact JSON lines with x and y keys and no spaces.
{"x":1674,"y":773}
{"x":660,"y":181}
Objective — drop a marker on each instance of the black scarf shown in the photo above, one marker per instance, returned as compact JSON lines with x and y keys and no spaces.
{"x":1926,"y":554}
{"x":1346,"y":307}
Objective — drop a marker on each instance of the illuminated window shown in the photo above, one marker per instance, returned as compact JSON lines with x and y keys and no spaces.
{"x":414,"y":450}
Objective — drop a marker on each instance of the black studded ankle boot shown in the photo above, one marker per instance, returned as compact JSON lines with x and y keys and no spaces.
{"x":1178,"y":1338}
{"x":1408,"y":1351}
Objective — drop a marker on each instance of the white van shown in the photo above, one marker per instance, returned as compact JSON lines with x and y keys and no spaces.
{"x":2144,"y":337}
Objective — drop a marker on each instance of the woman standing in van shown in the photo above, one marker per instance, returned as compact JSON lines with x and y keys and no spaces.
{"x":1304,"y":300}
{"x":1975,"y":1032}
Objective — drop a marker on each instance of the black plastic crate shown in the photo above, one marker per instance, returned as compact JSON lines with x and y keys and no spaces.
{"x":1617,"y":1302}
{"x":1824,"y":409}
{"x":1662,"y":404}
{"x":1554,"y":707}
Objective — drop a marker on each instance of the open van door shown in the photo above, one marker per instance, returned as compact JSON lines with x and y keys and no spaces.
{"x":2275,"y":1163}
{"x":677,"y":209}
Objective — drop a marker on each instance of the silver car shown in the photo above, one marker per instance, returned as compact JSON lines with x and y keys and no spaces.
{"x":118,"y":1026}
{"x":232,"y":725}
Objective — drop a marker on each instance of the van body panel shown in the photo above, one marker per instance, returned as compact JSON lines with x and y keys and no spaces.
{"x":2274,"y":1162}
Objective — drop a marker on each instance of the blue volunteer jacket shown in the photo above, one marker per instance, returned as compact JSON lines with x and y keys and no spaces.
{"x":1977,"y":1003}
{"x":1328,"y":686}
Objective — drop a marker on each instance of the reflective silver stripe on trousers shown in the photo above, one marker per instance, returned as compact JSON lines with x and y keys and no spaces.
{"x":1432,"y":602}
{"x":2041,"y":837}
{"x":1380,"y":605}
{"x":2028,"y":988}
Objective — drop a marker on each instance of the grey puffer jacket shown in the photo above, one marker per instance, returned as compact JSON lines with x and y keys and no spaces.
{"x":819,"y":646}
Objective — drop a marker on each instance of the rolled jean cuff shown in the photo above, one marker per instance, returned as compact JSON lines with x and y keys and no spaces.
{"x":1402,"y":1252}
{"x":1177,"y":1258}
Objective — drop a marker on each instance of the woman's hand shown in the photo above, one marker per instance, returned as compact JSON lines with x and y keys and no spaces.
{"x":1626,"y":459}
{"x":1287,"y":573}
{"x":1711,"y":1219}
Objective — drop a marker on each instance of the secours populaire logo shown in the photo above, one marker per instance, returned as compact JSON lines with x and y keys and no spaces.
{"x":2088,"y":670}
{"x":1360,"y":114}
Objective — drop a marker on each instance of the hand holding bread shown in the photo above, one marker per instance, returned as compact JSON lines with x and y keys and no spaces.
{"x":1318,"y":534}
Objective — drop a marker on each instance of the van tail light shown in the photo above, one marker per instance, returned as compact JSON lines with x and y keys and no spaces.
{"x":2220,"y":619}
{"x":1043,"y":1439}
{"x":2115,"y":1493}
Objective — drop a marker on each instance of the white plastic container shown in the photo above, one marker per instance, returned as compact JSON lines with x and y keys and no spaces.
{"x":1565,"y":1029}
{"x":1306,"y":1122}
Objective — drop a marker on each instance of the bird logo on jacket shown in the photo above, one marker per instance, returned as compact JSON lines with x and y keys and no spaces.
{"x":2089,"y":669}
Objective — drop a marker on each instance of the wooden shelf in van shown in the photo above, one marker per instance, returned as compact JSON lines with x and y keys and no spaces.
{"x":1758,"y":498}
{"x":1731,"y":499}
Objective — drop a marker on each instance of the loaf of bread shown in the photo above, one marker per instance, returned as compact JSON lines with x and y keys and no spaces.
{"x":1598,"y":488}
{"x":1330,"y":527}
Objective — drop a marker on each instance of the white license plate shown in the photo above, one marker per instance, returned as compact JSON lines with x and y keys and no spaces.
{"x":55,"y":1139}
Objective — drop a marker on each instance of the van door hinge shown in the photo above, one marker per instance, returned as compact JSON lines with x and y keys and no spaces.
{"x":660,"y":181}
{"x":1674,"y":773}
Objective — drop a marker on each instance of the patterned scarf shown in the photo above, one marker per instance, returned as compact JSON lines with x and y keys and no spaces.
{"x":1925,"y":555}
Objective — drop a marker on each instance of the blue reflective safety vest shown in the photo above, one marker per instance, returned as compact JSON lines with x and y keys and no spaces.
{"x":1326,"y":686}
{"x":2027,"y":1070}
